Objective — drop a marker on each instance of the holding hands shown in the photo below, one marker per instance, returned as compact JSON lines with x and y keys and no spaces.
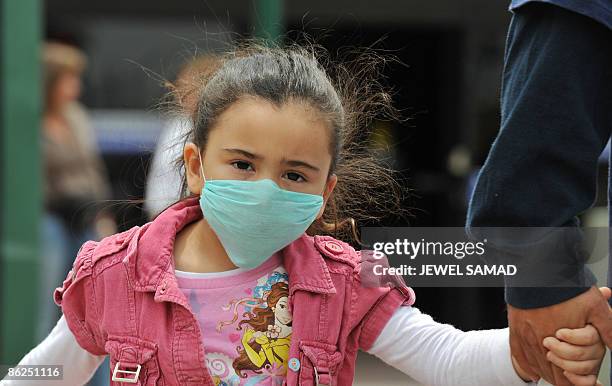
{"x":579,"y":352}
{"x":576,"y":354}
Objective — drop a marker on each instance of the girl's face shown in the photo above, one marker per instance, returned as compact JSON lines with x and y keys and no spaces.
{"x":253,"y":140}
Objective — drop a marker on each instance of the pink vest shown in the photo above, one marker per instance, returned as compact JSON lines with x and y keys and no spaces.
{"x":121,"y":298}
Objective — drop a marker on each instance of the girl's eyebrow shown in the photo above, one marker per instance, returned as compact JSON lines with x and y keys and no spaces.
{"x":294,"y":163}
{"x":243,"y":152}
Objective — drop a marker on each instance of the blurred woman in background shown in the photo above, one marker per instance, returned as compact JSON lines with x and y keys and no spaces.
{"x":75,"y":179}
{"x":164,"y":178}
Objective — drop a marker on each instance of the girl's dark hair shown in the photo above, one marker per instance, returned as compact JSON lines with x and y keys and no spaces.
{"x":348,"y":95}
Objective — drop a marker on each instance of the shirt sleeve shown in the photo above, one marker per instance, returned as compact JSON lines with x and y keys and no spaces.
{"x":375,"y":299}
{"x":163,"y":179}
{"x":542,"y":167}
{"x":439,"y":354}
{"x":76,"y":296}
{"x":60,"y":348}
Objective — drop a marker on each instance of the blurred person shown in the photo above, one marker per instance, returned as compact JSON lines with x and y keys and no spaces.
{"x":249,"y":278}
{"x":163,"y":177}
{"x":556,"y":118}
{"x":75,"y":179}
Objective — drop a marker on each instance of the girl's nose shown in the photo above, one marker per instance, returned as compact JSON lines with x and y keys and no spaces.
{"x":270,"y":176}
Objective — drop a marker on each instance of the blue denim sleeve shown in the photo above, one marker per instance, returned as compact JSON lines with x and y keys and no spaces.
{"x":556,"y":107}
{"x":599,"y":10}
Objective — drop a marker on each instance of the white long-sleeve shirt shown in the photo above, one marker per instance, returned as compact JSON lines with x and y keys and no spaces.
{"x":430,"y":352}
{"x":164,"y":178}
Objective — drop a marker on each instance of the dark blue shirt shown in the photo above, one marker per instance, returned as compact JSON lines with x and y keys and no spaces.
{"x":556,"y":118}
{"x":600,"y":10}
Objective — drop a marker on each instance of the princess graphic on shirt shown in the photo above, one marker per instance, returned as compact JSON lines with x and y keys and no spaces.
{"x":267,"y":336}
{"x":264,"y":335}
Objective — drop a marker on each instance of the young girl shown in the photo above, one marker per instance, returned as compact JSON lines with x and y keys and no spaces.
{"x":226,"y":288}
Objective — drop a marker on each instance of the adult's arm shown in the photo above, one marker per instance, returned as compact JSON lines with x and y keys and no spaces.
{"x":556,"y":119}
{"x":541,"y":171}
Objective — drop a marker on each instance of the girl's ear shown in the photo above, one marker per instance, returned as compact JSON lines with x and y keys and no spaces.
{"x":329,"y":188}
{"x":195,"y":180}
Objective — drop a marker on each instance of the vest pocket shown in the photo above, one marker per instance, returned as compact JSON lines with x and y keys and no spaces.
{"x":133,"y":361}
{"x":319,"y":363}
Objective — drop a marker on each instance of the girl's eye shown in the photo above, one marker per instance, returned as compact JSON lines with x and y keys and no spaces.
{"x":295,"y":177}
{"x":242,"y":165}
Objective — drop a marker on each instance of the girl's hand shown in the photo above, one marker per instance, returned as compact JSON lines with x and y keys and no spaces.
{"x":579,"y":352}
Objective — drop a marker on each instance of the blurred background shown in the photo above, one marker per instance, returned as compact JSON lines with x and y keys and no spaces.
{"x":96,"y":70}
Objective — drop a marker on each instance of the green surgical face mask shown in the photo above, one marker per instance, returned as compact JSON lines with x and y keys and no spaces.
{"x":255,"y":219}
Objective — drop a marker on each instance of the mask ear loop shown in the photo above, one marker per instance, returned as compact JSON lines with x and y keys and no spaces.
{"x":201,"y":167}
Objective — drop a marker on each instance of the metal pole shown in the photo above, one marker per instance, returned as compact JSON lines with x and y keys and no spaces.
{"x":269,"y":20}
{"x":20,"y":186}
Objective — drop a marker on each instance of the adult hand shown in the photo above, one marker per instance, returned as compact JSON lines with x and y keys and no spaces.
{"x":529,"y":327}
